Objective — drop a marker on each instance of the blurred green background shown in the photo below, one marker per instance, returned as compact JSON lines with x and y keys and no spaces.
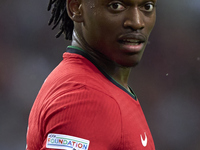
{"x":167,"y":81}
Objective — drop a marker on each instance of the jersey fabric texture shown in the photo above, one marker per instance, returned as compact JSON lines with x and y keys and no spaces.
{"x":79,"y":99}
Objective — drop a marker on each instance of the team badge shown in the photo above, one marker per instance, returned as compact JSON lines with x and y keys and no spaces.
{"x":66,"y":142}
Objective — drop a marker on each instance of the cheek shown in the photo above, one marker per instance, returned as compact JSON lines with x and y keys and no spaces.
{"x":101,"y":29}
{"x":151,"y":23}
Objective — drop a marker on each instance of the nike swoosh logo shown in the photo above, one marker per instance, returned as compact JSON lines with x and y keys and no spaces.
{"x":144,"y":141}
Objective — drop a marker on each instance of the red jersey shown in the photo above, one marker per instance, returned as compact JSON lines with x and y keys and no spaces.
{"x":80,"y":107}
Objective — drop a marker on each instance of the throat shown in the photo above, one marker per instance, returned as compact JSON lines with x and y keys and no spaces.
{"x":121,"y":75}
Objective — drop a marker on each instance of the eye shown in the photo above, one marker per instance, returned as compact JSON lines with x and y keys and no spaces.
{"x":148,"y":7}
{"x":116,"y":6}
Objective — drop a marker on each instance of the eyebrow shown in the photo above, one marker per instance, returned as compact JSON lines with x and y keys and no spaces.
{"x":129,"y":1}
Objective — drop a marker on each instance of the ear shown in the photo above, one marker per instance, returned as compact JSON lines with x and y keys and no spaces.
{"x":74,"y":10}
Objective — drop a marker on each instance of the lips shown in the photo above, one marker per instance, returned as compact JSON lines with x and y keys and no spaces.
{"x":132,"y":42}
{"x":132,"y":38}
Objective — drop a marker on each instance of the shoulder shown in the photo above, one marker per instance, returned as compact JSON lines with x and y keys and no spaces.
{"x":84,"y":99}
{"x":73,"y":74}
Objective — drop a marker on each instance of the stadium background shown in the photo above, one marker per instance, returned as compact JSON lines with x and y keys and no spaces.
{"x":167,"y":81}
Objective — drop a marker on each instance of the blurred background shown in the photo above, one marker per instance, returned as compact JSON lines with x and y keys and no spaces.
{"x":167,"y":81}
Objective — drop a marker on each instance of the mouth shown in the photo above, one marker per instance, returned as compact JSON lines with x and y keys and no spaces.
{"x":132,"y":43}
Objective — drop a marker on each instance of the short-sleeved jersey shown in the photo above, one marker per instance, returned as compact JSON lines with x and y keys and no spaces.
{"x":79,"y":99}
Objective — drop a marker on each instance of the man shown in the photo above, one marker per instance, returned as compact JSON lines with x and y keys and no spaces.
{"x":86,"y":103}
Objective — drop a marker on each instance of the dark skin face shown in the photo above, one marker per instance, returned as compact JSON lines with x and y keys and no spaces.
{"x":114,"y":32}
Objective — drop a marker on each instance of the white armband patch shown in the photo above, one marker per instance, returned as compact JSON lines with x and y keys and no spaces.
{"x":61,"y":141}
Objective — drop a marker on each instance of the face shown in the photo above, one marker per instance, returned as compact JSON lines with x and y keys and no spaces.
{"x":119,"y":29}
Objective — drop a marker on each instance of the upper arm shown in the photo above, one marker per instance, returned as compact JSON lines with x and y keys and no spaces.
{"x":87,"y":114}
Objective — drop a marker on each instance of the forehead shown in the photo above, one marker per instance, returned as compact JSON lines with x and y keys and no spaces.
{"x":128,"y":1}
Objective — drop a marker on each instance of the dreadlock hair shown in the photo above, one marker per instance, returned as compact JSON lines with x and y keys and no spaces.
{"x":60,"y":16}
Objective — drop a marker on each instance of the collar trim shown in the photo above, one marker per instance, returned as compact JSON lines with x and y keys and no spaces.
{"x":77,"y":50}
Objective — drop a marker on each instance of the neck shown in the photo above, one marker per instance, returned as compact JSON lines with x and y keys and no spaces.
{"x":117,"y":72}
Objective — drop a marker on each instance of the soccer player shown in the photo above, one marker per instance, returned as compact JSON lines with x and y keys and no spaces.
{"x":86,"y":103}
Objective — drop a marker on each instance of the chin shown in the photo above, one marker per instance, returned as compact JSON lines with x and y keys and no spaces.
{"x":128,"y":64}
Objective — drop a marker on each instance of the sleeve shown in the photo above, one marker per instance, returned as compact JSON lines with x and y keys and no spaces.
{"x":87,"y":114}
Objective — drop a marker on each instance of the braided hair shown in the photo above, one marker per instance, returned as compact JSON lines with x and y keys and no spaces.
{"x":60,"y":16}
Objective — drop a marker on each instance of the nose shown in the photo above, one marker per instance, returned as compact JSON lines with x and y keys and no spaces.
{"x":134,"y":20}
